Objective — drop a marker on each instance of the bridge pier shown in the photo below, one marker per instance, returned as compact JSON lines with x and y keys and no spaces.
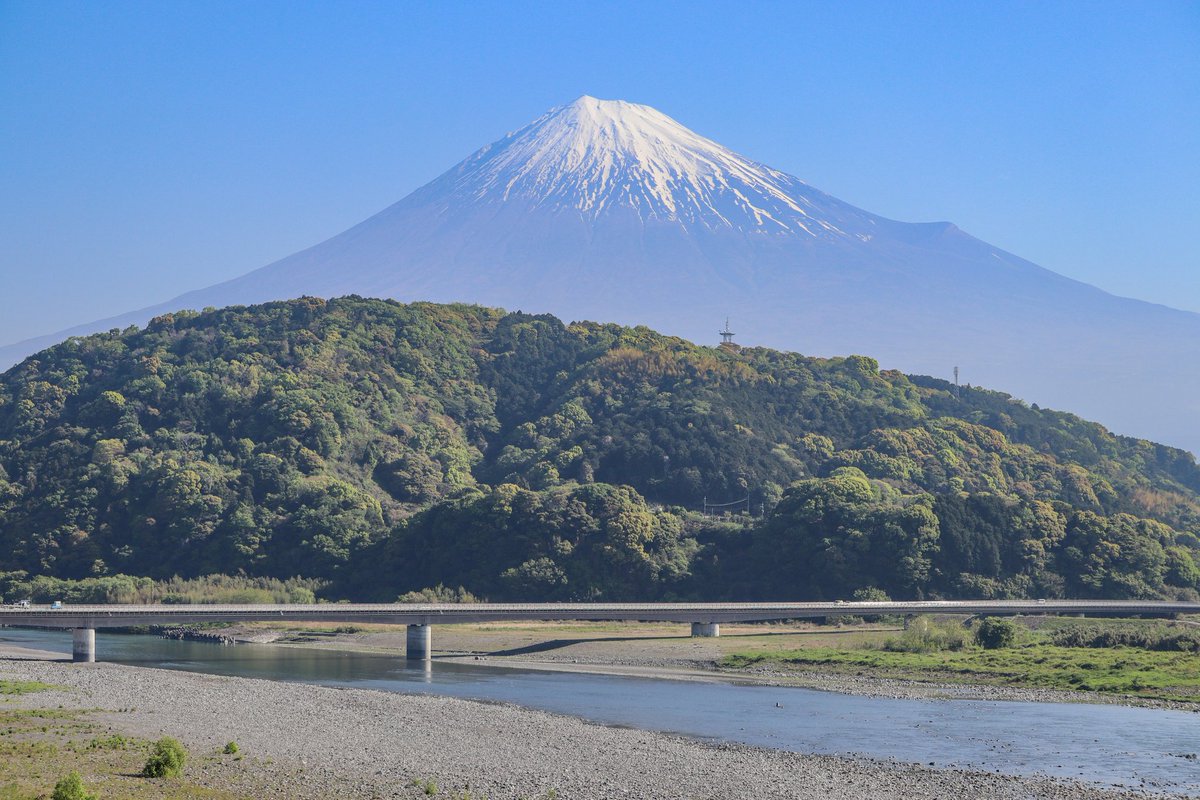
{"x":706,"y":629}
{"x":419,"y":642}
{"x":83,"y":645}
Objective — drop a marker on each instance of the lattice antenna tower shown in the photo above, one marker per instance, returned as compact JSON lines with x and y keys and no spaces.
{"x":726,"y":335}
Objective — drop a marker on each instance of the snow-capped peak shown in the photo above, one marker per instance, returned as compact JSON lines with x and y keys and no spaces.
{"x":599,"y":156}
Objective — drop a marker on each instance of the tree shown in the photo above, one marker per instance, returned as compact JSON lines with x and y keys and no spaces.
{"x":995,"y":633}
{"x":831,"y":536}
{"x":359,"y":440}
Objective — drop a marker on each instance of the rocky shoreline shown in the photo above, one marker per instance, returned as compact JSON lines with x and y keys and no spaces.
{"x":312,"y":741}
{"x":191,"y":634}
{"x":214,"y":635}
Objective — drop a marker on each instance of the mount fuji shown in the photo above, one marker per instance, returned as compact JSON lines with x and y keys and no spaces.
{"x":612,"y":211}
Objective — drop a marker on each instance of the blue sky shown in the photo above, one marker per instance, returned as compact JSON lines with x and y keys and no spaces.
{"x":151,"y":148}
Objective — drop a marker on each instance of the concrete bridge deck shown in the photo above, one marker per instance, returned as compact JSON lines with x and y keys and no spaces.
{"x":705,"y":618}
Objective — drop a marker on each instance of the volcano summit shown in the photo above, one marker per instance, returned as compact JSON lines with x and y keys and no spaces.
{"x":613,"y":211}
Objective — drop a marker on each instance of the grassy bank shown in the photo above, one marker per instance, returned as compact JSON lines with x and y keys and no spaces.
{"x":22,"y":687}
{"x":1035,"y":659}
{"x":40,"y":746}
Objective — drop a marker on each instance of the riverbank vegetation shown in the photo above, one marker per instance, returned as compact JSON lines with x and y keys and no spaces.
{"x":1130,"y":657}
{"x":41,"y":748}
{"x":378,"y":449}
{"x":68,"y":753}
{"x":8,"y":687}
{"x":71,"y":788}
{"x":129,"y":589}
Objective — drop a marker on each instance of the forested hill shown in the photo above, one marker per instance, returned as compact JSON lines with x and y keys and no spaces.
{"x":387,"y":448}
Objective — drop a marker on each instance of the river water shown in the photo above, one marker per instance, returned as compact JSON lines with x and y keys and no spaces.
{"x":1111,"y":745}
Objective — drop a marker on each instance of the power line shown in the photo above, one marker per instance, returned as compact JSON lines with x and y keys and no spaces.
{"x":711,"y":508}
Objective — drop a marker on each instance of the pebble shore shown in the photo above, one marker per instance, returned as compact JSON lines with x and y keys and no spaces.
{"x":312,"y":741}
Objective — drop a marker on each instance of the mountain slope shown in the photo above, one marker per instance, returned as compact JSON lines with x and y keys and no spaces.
{"x":392,"y":447}
{"x":611,"y":210}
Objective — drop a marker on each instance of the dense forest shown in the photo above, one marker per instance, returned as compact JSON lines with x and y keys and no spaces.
{"x":378,"y":449}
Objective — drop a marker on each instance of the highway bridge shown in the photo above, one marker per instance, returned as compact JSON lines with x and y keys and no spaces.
{"x":705,"y":618}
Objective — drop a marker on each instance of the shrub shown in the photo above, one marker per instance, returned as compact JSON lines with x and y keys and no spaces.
{"x":166,"y":759}
{"x":924,"y":635}
{"x":231,"y":748}
{"x":71,"y":788}
{"x":1156,"y":637}
{"x":428,"y":786}
{"x":438,"y":594}
{"x":114,"y":742}
{"x":128,"y":589}
{"x":872,"y":594}
{"x":995,"y":633}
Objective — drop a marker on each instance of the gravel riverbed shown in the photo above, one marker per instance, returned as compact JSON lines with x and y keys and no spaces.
{"x":313,"y":741}
{"x":832,"y":681}
{"x":685,"y":658}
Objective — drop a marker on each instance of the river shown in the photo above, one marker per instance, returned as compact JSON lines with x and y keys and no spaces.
{"x":1110,"y":745}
